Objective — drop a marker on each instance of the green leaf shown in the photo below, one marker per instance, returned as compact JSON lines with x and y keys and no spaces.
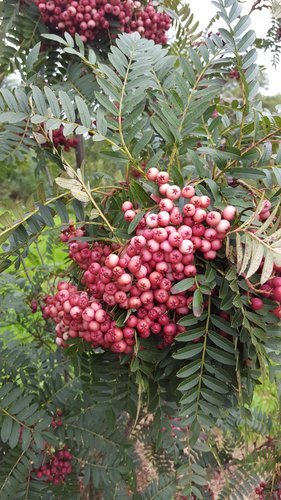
{"x":189,"y":383}
{"x":139,"y":194}
{"x":142,"y":142}
{"x":154,"y":160}
{"x":197,"y":303}
{"x":39,"y":440}
{"x":191,"y":335}
{"x":15,"y":435}
{"x":26,"y":438}
{"x":84,"y":113}
{"x":250,"y":57}
{"x":6,"y":428}
{"x":267,"y":267}
{"x":46,"y":215}
{"x":135,"y":222}
{"x":223,"y":325}
{"x":247,"y":253}
{"x":53,"y":101}
{"x":188,"y":352}
{"x":188,"y":370}
{"x":256,"y":259}
{"x":39,"y":100}
{"x":55,"y":38}
{"x":221,"y":357}
{"x":67,"y":106}
{"x":182,"y":285}
{"x":190,"y":320}
{"x":247,"y":40}
{"x":32,"y":57}
{"x":222,"y":342}
{"x":213,"y":397}
{"x":243,"y":24}
{"x":106,"y":103}
{"x":12,"y":117}
{"x":162,"y":129}
{"x":215,"y":385}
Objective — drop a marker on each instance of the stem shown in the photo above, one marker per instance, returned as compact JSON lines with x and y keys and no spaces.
{"x":16,"y":420}
{"x":120,"y":119}
{"x":39,"y":253}
{"x":254,"y":145}
{"x":80,"y":152}
{"x":89,"y":193}
{"x":11,"y":471}
{"x":185,"y":111}
{"x":48,"y":175}
{"x":204,"y":351}
{"x":26,"y":271}
{"x":256,"y":6}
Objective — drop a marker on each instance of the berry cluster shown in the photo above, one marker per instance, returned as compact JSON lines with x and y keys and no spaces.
{"x":91,"y":18}
{"x":234,"y":74}
{"x":57,"y":422}
{"x":58,"y":467}
{"x":260,"y":489}
{"x":59,"y":139}
{"x":140,"y":275}
{"x":272,"y":290}
{"x":34,"y":306}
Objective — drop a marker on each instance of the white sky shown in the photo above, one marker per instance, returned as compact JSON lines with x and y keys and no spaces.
{"x":203,"y":10}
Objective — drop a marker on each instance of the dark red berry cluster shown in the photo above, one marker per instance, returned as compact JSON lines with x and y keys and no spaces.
{"x":92,"y":18}
{"x":59,"y":139}
{"x":57,"y":421}
{"x":34,"y":306}
{"x":271,"y":290}
{"x":234,"y":74}
{"x":139,"y":276}
{"x":57,"y":468}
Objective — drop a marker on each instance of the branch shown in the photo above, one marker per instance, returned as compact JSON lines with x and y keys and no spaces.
{"x":256,"y":6}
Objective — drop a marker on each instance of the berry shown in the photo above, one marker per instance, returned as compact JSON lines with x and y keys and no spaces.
{"x":256,"y":303}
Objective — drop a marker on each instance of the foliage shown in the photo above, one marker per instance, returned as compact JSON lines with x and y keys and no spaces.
{"x":140,"y":107}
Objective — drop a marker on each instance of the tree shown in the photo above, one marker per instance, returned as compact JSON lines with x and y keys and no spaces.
{"x":170,"y":310}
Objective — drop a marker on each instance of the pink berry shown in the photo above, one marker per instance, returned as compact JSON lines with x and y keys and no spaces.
{"x":188,"y":192}
{"x":210,"y":255}
{"x":163,"y":188}
{"x":152,"y":173}
{"x":186,"y":247}
{"x":129,"y":215}
{"x":166,"y":204}
{"x":189,"y":210}
{"x":112,"y":261}
{"x":173,"y":192}
{"x":223,"y":226}
{"x":277,"y":294}
{"x":229,"y":212}
{"x":163,"y":218}
{"x":175,"y":239}
{"x":162,"y":178}
{"x":190,"y":271}
{"x":127,"y":205}
{"x":200,"y":215}
{"x":152,"y":220}
{"x":213,"y":218}
{"x":256,"y":303}
{"x":205,"y":201}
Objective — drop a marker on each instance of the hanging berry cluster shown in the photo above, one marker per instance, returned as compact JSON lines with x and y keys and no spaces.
{"x":91,"y":18}
{"x":57,"y":468}
{"x":140,"y":276}
{"x":59,"y":139}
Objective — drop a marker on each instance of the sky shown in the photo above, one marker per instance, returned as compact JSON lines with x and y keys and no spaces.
{"x":203,"y":10}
